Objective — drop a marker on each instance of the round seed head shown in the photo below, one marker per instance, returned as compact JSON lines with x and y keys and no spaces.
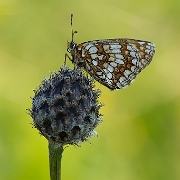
{"x":65,"y":107}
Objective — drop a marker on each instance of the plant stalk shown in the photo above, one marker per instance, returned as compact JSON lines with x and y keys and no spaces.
{"x":55,"y":156}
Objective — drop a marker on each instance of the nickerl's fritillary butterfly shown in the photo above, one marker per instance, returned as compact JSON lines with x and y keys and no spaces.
{"x":114,"y":63}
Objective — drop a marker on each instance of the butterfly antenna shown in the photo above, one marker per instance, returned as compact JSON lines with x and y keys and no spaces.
{"x":72,"y":28}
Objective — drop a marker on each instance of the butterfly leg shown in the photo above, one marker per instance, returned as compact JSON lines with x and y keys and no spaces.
{"x":66,"y":56}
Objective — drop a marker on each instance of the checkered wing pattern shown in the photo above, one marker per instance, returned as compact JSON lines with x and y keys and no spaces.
{"x":115,"y":63}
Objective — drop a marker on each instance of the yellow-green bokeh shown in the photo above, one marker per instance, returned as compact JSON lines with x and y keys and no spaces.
{"x":140,"y":136}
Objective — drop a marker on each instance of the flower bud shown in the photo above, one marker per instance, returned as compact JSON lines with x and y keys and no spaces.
{"x":65,"y":107}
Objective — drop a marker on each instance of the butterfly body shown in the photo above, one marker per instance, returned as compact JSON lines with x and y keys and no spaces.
{"x":114,"y":63}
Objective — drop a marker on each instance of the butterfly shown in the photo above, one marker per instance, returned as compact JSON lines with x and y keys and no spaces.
{"x":115,"y":63}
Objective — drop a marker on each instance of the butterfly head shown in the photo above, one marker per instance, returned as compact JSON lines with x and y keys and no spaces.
{"x":71,"y":46}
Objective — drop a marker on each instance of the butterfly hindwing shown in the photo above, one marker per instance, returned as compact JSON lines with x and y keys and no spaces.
{"x":114,"y":62}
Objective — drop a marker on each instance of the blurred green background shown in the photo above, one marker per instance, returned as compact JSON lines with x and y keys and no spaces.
{"x":140,"y":136}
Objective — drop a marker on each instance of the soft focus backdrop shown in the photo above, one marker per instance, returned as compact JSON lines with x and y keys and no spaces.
{"x":140,"y":136}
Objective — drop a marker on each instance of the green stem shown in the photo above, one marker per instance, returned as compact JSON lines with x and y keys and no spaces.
{"x":55,"y":155}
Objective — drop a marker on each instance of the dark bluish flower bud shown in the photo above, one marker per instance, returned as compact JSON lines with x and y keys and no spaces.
{"x":65,"y":107}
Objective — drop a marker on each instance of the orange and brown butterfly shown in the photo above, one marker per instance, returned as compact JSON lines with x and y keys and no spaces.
{"x":114,"y":63}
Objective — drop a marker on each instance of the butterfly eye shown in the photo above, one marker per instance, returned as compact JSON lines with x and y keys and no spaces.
{"x":71,"y":46}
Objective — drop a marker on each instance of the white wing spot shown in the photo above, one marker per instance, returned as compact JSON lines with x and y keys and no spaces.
{"x":109,"y":75}
{"x":119,"y":85}
{"x":111,"y":58}
{"x":127,"y":73}
{"x":147,"y":51}
{"x":148,"y":47}
{"x":122,"y":79}
{"x":106,"y":71}
{"x":95,"y":62}
{"x":119,"y":61}
{"x":106,"y":48}
{"x":116,"y":51}
{"x":109,"y":81}
{"x":105,"y":65}
{"x":115,"y":46}
{"x":99,"y":73}
{"x":119,"y":56}
{"x":113,"y":64}
{"x":129,"y":48}
{"x":110,"y":68}
{"x":141,"y":43}
{"x":88,"y":46}
{"x":133,"y":68}
{"x":93,"y":56}
{"x":103,"y":76}
{"x":100,"y":57}
{"x":133,"y":54}
{"x":135,"y":62}
{"x":93,"y":49}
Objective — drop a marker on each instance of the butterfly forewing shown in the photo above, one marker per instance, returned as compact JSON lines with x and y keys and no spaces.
{"x":113,"y":62}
